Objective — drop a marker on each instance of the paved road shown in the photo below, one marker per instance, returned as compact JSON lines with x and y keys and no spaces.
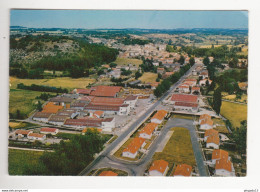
{"x":103,"y":156}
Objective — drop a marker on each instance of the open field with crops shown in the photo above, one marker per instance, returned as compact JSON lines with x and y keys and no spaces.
{"x":126,"y":61}
{"x":148,"y":77}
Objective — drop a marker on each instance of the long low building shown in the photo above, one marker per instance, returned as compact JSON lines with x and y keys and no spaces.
{"x":107,"y":124}
{"x":123,"y":109}
{"x":185,"y":102}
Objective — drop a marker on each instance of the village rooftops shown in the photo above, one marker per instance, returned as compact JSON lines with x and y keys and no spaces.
{"x":191,"y":80}
{"x":159,"y":165}
{"x":160,"y":114}
{"x":42,"y":115}
{"x":149,"y":128}
{"x":48,"y":129}
{"x":60,"y":99}
{"x":87,"y":122}
{"x":195,"y":88}
{"x":90,"y":106}
{"x":50,"y":107}
{"x":213,"y":139}
{"x":210,"y":132}
{"x":183,"y":170}
{"x":184,"y":98}
{"x":66,"y":113}
{"x":205,"y":116}
{"x":219,"y":154}
{"x":86,"y":98}
{"x":105,"y":91}
{"x":224,"y":164}
{"x":77,"y":104}
{"x":83,"y":91}
{"x":36,"y":135}
{"x":183,"y":86}
{"x":107,"y":101}
{"x":108,"y":173}
{"x":135,"y":145}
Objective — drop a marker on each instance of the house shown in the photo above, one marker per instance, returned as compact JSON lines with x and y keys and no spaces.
{"x":156,"y":64}
{"x":160,"y":70}
{"x":42,"y":117}
{"x":63,"y":101}
{"x":108,"y":124}
{"x":211,"y":137}
{"x":218,"y":154}
{"x":206,"y":124}
{"x":184,"y":88}
{"x":159,"y":168}
{"x":132,"y":149}
{"x":82,"y":91}
{"x":243,"y":85}
{"x":209,"y":133}
{"x":116,"y":73}
{"x":47,"y":130}
{"x":186,"y":98}
{"x":36,"y":136}
{"x":51,"y":107}
{"x":195,"y":90}
{"x":224,"y":168}
{"x":204,"y":117}
{"x":211,"y":59}
{"x":159,"y":116}
{"x":58,"y":119}
{"x":204,"y":82}
{"x":204,"y":74}
{"x":183,"y":170}
{"x":71,"y":113}
{"x":184,"y":106}
{"x":22,"y":133}
{"x":148,"y":130}
{"x":154,"y":85}
{"x":131,"y":101}
{"x":105,"y":91}
{"x":108,"y":173}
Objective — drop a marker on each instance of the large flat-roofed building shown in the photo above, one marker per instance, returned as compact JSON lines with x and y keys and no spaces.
{"x":185,"y":102}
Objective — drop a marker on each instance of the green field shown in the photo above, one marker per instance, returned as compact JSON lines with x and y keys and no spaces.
{"x":23,"y":100}
{"x":179,"y":149}
{"x":63,"y":82}
{"x":20,"y":159}
{"x":126,"y":61}
{"x":234,"y":112}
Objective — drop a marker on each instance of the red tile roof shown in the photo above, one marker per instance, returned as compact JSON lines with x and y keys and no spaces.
{"x":219,"y":154}
{"x":98,"y":113}
{"x":206,"y":121}
{"x":205,"y":116}
{"x":36,"y":135}
{"x":50,"y":107}
{"x":184,"y":98}
{"x":42,"y":115}
{"x":213,"y":139}
{"x":22,"y":132}
{"x":183,"y":169}
{"x":135,"y":145}
{"x":210,"y":132}
{"x":224,"y":164}
{"x":107,"y":101}
{"x":90,"y":106}
{"x":149,"y":128}
{"x":105,"y":91}
{"x":159,"y":165}
{"x":83,"y":91}
{"x":48,"y":129}
{"x":160,"y":114}
{"x":108,"y":173}
{"x":195,"y":88}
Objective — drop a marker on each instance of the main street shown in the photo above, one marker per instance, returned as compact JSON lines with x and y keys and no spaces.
{"x":104,"y":156}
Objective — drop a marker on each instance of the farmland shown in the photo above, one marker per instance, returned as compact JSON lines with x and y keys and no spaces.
{"x":178,"y":150}
{"x":20,"y":159}
{"x":64,"y":82}
{"x":126,"y":61}
{"x":234,"y":112}
{"x":148,"y":77}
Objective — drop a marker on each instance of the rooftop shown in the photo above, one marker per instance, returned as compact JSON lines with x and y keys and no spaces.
{"x":183,"y":169}
{"x":159,"y":165}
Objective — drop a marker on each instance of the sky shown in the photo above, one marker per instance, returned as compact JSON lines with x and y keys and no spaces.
{"x":94,"y":19}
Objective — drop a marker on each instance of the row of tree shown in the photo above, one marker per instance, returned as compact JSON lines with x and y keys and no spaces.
{"x":42,"y":88}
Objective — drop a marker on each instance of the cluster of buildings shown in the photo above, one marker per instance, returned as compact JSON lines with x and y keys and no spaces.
{"x":87,"y":108}
{"x":29,"y":135}
{"x":145,"y":133}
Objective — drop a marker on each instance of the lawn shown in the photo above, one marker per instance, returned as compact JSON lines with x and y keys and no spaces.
{"x":118,"y":171}
{"x":220,"y":125}
{"x":23,"y":100}
{"x":126,"y":61}
{"x":148,"y":77}
{"x":20,"y":159}
{"x":234,"y":112}
{"x":64,"y":82}
{"x":179,"y":149}
{"x":181,"y":116}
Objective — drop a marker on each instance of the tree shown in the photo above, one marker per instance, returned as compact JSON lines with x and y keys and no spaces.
{"x":217,"y":100}
{"x":181,"y":60}
{"x":138,"y":74}
{"x":192,"y":61}
{"x":206,"y":61}
{"x":39,"y":106}
{"x":112,"y":65}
